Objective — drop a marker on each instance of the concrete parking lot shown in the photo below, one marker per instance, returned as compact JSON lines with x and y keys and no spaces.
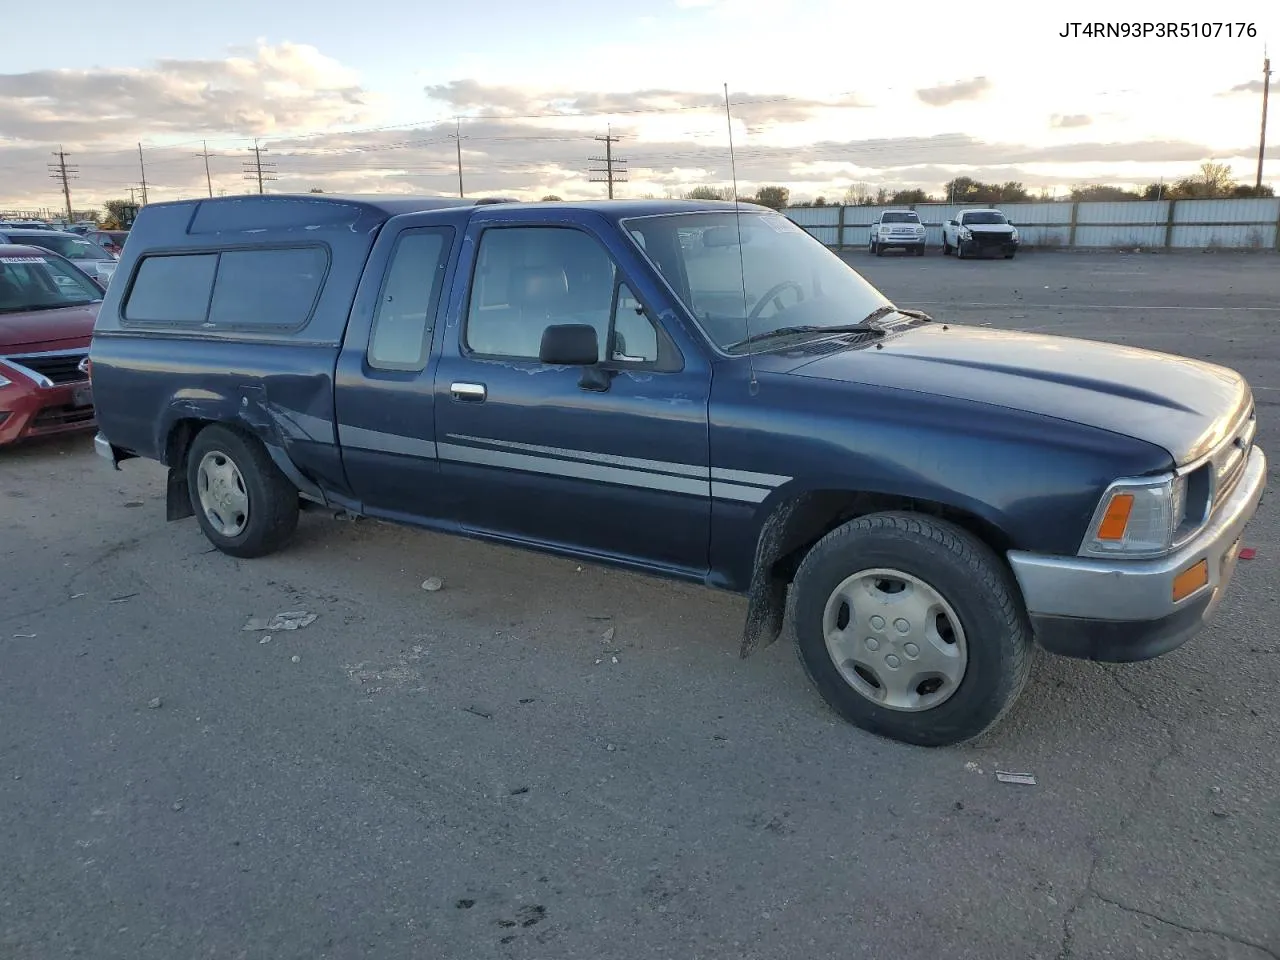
{"x":542,"y":760}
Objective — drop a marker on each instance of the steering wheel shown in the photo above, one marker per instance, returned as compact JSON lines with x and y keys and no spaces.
{"x":774,"y":294}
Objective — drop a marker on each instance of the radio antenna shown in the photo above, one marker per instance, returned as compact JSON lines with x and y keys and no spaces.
{"x":753,"y":385}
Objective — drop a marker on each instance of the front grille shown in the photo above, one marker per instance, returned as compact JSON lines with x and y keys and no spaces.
{"x":51,"y":418}
{"x":58,"y":367}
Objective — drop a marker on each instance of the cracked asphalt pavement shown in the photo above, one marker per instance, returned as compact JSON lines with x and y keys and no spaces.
{"x":484,"y":770}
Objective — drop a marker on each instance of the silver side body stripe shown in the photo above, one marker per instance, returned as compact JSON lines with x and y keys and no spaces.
{"x":723,"y":484}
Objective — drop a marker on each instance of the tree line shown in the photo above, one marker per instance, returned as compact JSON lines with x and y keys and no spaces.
{"x":1211,"y":181}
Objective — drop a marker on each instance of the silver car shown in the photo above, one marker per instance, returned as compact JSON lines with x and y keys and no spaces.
{"x":83,"y":252}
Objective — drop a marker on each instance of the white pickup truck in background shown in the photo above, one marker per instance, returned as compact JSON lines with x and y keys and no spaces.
{"x":975,"y":232}
{"x":896,"y":228}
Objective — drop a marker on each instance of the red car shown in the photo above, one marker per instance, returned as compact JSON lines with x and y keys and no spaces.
{"x":47,"y":312}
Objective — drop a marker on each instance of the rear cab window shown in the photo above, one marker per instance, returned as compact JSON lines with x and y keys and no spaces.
{"x":405,"y":315}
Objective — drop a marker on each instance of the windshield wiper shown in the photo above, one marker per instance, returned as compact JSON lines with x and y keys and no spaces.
{"x":780,"y":332}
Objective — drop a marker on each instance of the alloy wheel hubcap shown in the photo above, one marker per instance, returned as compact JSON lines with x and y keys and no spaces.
{"x":895,"y":639}
{"x":222,"y":494}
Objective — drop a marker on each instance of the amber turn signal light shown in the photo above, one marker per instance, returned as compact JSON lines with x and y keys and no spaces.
{"x":1116,"y":520}
{"x":1190,"y":580}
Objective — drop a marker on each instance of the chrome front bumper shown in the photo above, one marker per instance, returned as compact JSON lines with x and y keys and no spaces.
{"x":102,"y":447}
{"x":1138,"y":592}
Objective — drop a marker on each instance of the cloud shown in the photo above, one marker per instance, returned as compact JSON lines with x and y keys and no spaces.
{"x":1250,"y":86}
{"x":470,"y":97}
{"x":947,"y":93}
{"x":271,"y":89}
{"x":1066,"y":121}
{"x":672,"y":139}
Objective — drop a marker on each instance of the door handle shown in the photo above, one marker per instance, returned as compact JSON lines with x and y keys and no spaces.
{"x":473,"y":392}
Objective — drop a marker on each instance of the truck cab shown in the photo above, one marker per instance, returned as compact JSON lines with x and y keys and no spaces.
{"x":697,"y":390}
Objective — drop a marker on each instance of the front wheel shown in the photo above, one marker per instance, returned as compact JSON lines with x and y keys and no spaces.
{"x":245,"y":505}
{"x":911,"y":628}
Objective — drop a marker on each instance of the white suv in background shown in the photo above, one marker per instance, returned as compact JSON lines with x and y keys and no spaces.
{"x":896,"y":228}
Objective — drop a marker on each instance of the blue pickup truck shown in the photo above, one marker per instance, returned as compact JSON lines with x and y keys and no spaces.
{"x":698,"y":390}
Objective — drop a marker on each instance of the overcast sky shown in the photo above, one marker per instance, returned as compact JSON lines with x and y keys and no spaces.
{"x":826,"y":93}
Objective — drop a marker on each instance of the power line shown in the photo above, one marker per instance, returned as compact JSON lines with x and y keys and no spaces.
{"x":60,"y":171}
{"x":609,"y":160}
{"x":1262,"y":137}
{"x":205,"y":154}
{"x":142,"y":167}
{"x":457,"y":137}
{"x":257,"y":169}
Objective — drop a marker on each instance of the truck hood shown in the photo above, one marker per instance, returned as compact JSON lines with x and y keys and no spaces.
{"x":36,"y":330}
{"x":1186,"y":406}
{"x":988,"y":227}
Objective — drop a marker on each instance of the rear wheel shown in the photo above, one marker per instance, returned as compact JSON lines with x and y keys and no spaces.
{"x":911,"y":628}
{"x":946,"y":247}
{"x":244,"y":504}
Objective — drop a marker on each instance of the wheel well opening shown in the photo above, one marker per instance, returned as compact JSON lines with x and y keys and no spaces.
{"x":178,"y":443}
{"x":824,"y":511}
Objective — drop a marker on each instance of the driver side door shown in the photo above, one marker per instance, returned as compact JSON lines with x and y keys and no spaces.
{"x":612,"y":467}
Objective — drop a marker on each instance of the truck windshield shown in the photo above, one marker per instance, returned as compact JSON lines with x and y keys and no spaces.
{"x":899,"y":218}
{"x":986,"y":217}
{"x":29,"y":282}
{"x":791,"y":279}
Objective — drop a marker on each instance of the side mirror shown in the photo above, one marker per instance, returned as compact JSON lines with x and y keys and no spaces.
{"x":569,"y":344}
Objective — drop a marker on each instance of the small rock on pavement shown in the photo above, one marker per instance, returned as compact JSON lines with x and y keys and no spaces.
{"x":291,"y":620}
{"x":432,"y":584}
{"x":177,"y":806}
{"x":610,"y":747}
{"x":296,"y":659}
{"x":1220,"y":813}
{"x":609,"y":635}
{"x":155,"y":703}
{"x":266,"y":639}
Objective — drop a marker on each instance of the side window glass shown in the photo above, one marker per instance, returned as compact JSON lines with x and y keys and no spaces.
{"x":405,"y":315}
{"x":172,"y":289}
{"x":275,"y":288}
{"x":528,"y":278}
{"x":635,"y":340}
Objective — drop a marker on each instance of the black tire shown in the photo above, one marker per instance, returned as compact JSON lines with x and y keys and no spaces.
{"x":877,"y":249}
{"x":920,"y":251}
{"x":959,"y":250}
{"x":968,"y":576}
{"x":946,"y":247}
{"x":1008,"y":256}
{"x":272,"y":514}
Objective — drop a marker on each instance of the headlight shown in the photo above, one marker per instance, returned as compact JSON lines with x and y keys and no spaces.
{"x":1014,"y":231}
{"x":1137,"y":518}
{"x":966,"y":233}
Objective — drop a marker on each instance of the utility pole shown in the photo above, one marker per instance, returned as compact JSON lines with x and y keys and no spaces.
{"x":256,"y":169}
{"x":205,"y":153}
{"x":1262,"y":138}
{"x":610,"y":161}
{"x":60,"y":171}
{"x":143,"y":168}
{"x":457,"y":136}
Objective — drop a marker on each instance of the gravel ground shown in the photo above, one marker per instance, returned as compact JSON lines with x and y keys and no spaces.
{"x":470,"y":772}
